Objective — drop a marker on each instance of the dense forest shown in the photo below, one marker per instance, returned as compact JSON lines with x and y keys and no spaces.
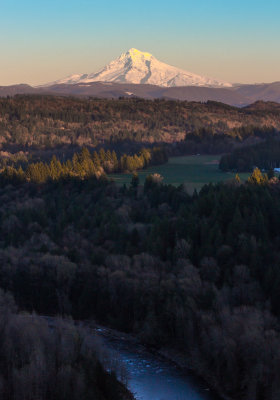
{"x":56,"y":362}
{"x":264,"y":155}
{"x":198,"y":273}
{"x":29,"y":123}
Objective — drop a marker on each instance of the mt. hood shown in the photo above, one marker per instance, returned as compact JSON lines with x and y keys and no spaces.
{"x":139,"y":67}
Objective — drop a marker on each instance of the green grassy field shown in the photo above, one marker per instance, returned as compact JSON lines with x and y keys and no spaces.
{"x":193,"y":171}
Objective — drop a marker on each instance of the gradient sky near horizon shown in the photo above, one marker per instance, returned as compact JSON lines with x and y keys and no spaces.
{"x":237,"y":41}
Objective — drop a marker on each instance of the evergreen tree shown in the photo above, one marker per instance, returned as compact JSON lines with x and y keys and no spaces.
{"x":237,"y":179}
{"x":115,"y":161}
{"x":257,"y":177}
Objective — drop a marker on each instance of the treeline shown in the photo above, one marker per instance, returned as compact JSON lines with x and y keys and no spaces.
{"x":264,"y":155}
{"x":54,"y":361}
{"x":241,"y":133}
{"x":49,"y":122}
{"x":84,"y":165}
{"x":199,"y":272}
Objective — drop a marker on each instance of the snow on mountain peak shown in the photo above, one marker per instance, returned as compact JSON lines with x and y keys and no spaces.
{"x":139,"y":67}
{"x":136,"y":54}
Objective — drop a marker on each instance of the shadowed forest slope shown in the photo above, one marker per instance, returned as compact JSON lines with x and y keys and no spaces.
{"x":199,"y":273}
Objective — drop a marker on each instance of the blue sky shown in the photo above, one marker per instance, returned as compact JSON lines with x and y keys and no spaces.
{"x":238,"y":41}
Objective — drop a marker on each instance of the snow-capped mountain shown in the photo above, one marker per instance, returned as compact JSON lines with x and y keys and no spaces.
{"x":139,"y":67}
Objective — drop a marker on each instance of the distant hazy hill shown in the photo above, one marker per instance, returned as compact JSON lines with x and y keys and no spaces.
{"x":264,"y":91}
{"x":16,"y":89}
{"x":237,"y":96}
{"x":116,"y":90}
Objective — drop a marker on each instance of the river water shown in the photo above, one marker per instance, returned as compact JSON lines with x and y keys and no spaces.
{"x":151,"y":377}
{"x":148,"y":375}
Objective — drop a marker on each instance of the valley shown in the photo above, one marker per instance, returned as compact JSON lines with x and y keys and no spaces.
{"x":191,"y":171}
{"x":91,"y":231}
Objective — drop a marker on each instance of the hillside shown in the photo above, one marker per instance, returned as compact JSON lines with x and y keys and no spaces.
{"x":264,"y":91}
{"x":113,"y":90}
{"x":48,"y":122}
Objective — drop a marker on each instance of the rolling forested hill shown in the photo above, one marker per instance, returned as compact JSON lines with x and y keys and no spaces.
{"x":44,"y":122}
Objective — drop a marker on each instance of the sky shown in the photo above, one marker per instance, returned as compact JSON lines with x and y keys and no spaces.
{"x":45,"y":40}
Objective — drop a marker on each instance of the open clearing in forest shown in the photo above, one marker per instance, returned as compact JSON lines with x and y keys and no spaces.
{"x":193,"y":171}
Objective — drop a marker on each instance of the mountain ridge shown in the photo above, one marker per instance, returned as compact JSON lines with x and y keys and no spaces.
{"x":237,"y":96}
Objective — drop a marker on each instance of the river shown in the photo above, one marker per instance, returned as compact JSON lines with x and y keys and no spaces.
{"x":148,"y":375}
{"x":152,"y":377}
